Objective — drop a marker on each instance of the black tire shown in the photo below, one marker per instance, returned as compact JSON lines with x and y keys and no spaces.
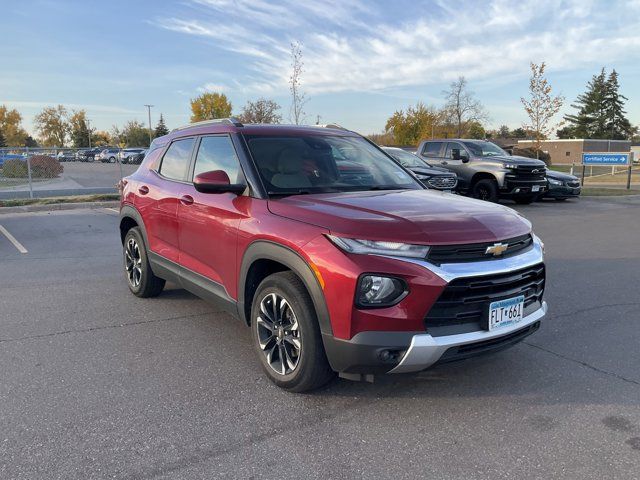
{"x":485,"y":189}
{"x":561,"y":199}
{"x":145,"y":284}
{"x":312,"y":370}
{"x":91,"y":159}
{"x":525,"y":200}
{"x":112,"y":159}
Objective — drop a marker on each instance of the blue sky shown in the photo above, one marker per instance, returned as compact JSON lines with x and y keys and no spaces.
{"x":363,"y":59}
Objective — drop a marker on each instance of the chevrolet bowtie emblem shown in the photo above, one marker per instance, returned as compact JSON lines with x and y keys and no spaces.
{"x":535,"y":170}
{"x":496,"y":249}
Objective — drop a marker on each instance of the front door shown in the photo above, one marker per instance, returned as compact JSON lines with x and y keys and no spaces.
{"x":209,"y":221}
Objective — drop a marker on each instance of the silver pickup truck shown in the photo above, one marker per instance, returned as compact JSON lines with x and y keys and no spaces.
{"x":486,"y":171}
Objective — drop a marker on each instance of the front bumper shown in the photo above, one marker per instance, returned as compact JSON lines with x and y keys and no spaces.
{"x":562,"y":191}
{"x":372,"y":352}
{"x":426,"y":350}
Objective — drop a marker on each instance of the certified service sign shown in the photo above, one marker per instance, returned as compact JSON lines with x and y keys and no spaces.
{"x":605,"y":158}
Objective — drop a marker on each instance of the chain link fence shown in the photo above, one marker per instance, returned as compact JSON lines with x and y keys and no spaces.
{"x":54,"y":172}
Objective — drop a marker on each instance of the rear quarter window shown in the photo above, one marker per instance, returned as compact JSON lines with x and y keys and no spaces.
{"x":175,"y":162}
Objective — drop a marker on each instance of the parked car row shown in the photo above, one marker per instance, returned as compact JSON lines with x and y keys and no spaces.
{"x":103,"y":154}
{"x":483,"y":170}
{"x":334,"y":254}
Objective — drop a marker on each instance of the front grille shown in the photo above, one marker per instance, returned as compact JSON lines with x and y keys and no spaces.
{"x":473,"y":252}
{"x":442,"y":182}
{"x":530,"y":172}
{"x":465,"y":301}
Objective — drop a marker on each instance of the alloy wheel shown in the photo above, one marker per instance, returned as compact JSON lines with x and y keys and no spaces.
{"x":133,"y":262}
{"x":278,"y":334}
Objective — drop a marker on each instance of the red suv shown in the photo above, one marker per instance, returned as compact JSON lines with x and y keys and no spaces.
{"x":337,"y":257}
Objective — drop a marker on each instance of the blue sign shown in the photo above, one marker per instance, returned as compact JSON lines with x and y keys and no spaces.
{"x":605,"y":159}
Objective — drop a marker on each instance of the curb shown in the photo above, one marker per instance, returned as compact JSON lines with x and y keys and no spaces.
{"x":59,"y":206}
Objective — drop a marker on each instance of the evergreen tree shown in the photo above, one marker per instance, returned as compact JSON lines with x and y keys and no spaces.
{"x":590,"y":121}
{"x":161,"y":128}
{"x":617,"y":124}
{"x":3,"y":141}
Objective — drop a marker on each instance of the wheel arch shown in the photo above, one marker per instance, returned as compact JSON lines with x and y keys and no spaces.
{"x":263,"y":258}
{"x":482,"y":176}
{"x":129,"y":218}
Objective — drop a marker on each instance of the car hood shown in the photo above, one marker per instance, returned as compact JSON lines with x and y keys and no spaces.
{"x":518,"y":160}
{"x":431,"y":171}
{"x":565,"y":177}
{"x":411,"y":216}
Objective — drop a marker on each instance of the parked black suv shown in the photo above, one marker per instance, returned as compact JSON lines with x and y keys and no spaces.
{"x":486,"y":171}
{"x":432,"y":177}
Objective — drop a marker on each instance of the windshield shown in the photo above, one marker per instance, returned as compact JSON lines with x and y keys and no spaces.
{"x":485,"y":149}
{"x":406,"y":158}
{"x":318,"y":164}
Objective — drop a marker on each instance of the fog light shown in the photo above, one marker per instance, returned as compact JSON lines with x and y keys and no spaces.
{"x":379,"y":291}
{"x":516,"y":190}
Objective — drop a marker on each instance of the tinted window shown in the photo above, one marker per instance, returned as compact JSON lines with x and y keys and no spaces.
{"x":217,"y":153}
{"x":175,"y":163}
{"x":451,"y":146}
{"x":432,"y":149}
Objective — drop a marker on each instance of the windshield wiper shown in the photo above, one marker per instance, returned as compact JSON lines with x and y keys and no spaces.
{"x":387,"y":187}
{"x":285,"y":193}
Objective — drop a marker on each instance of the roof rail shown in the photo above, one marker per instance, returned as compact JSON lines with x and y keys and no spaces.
{"x":332,"y":125}
{"x":229,"y":121}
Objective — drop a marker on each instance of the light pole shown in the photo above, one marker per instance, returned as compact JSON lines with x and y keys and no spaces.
{"x":149,"y":112}
{"x":89,"y":128}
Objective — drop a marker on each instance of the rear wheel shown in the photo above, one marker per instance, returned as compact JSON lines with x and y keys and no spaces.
{"x":286,"y":334}
{"x":140,"y":278}
{"x":112,"y":159}
{"x":485,"y":189}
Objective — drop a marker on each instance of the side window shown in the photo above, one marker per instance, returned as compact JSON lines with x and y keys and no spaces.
{"x":175,"y":163}
{"x":217,"y":153}
{"x":432,"y":149}
{"x":453,"y":146}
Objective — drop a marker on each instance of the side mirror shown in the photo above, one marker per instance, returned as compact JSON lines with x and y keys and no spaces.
{"x":216,"y":181}
{"x":455,"y":154}
{"x":464,"y":158}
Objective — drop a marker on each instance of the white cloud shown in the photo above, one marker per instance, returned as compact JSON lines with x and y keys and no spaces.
{"x":349,"y":46}
{"x":212,"y":87}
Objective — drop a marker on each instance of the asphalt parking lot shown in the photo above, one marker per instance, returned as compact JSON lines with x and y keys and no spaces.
{"x":96,"y":383}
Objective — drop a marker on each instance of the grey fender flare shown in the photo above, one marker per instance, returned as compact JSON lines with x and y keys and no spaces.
{"x":263,"y":249}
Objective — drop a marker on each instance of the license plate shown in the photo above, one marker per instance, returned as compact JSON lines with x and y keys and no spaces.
{"x":535,"y":188}
{"x":506,"y":312}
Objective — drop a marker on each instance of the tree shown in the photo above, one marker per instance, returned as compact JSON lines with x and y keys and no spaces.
{"x":52,"y":125}
{"x":504,"y":132}
{"x":541,"y":106}
{"x":161,"y":128}
{"x":261,"y":111}
{"x":617,"y":125}
{"x":3,"y":141}
{"x":417,"y":123}
{"x":298,"y":97}
{"x":476,"y":130}
{"x":133,"y":134}
{"x":210,"y":105}
{"x":461,"y":106}
{"x":11,"y":126}
{"x":590,"y":121}
{"x":79,"y":129}
{"x":100,"y":138}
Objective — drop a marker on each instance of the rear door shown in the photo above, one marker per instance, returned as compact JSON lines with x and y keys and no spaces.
{"x":209,"y":221}
{"x":158,"y":196}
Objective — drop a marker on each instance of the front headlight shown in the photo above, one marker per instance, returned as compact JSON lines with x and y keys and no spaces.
{"x":371,"y":247}
{"x":509,"y":166}
{"x":422,"y":177}
{"x":553,"y":181}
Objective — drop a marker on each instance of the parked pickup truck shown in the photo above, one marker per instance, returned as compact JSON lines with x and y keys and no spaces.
{"x":485,"y":171}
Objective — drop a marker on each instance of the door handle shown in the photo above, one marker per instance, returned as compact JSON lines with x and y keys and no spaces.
{"x":143,"y":190}
{"x":186,"y":200}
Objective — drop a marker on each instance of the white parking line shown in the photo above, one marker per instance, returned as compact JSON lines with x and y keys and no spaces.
{"x":13,"y":240}
{"x":113,"y":209}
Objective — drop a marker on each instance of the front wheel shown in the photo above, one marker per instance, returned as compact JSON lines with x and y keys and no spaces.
{"x":112,"y":159}
{"x":287,"y":336}
{"x":485,"y":189}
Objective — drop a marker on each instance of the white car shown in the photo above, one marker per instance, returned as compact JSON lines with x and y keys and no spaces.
{"x":128,"y":153}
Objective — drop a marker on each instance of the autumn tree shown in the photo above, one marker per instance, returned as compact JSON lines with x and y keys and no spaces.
{"x":541,"y":106}
{"x":132,"y":134}
{"x":210,"y":105}
{"x":298,"y":97}
{"x":79,"y":129}
{"x":100,"y":138}
{"x":462,"y":107}
{"x":416,"y":123}
{"x":161,"y":128}
{"x":261,"y":111}
{"x":3,"y":142}
{"x":52,"y":126}
{"x":11,"y":126}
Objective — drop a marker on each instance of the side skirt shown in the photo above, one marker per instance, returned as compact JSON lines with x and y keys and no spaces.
{"x":201,"y":286}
